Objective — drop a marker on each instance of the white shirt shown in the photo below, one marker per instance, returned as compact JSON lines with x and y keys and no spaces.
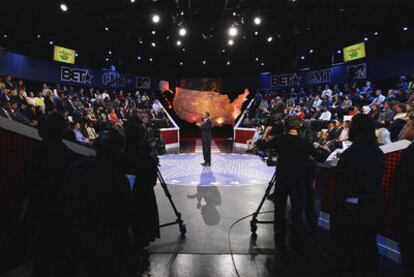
{"x":156,"y":106}
{"x":316,"y":103}
{"x":378,"y":100}
{"x":343,"y":135}
{"x":327,"y":92}
{"x":326,"y":116}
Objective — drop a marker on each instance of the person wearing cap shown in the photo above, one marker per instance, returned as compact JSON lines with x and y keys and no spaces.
{"x":358,"y":204}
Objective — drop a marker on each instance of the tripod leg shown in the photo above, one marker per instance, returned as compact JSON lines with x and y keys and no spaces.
{"x":179,"y":221}
{"x":253,"y":222}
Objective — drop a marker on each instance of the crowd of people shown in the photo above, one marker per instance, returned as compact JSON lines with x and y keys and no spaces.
{"x":326,"y":112}
{"x":88,"y":111}
{"x":90,"y":216}
{"x":348,"y":126}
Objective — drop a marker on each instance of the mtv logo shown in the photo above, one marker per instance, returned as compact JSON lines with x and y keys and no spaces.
{"x":143,"y":82}
{"x":357,"y":72}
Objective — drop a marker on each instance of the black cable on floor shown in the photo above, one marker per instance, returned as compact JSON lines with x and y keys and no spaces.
{"x":229,"y":236}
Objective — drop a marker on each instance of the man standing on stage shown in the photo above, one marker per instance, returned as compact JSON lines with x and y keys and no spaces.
{"x":206,"y":138}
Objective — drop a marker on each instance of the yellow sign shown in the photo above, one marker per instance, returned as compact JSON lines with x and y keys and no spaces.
{"x":354,"y":52}
{"x":64,"y":55}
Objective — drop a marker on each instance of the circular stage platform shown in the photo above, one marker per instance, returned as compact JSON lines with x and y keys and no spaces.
{"x":226,"y":170}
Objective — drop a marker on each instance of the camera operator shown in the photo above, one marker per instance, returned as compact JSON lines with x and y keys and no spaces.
{"x":293,"y":152}
{"x":141,"y":161}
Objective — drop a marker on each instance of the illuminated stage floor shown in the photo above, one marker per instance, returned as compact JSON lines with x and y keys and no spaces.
{"x":228,"y":169}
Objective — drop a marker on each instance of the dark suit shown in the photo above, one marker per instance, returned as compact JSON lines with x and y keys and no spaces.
{"x":44,"y":170}
{"x":206,"y":138}
{"x":354,"y":227}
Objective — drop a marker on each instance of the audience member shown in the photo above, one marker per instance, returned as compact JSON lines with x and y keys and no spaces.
{"x":404,"y":204}
{"x":358,"y":202}
{"x":45,"y":167}
{"x":97,"y":209}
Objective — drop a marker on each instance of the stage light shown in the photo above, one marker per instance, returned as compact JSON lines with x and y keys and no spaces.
{"x":261,"y":64}
{"x":311,"y":51}
{"x":50,"y":42}
{"x":153,"y":44}
{"x":302,"y":58}
{"x":150,"y":59}
{"x":76,"y":54}
{"x":257,"y":20}
{"x":223,"y":51}
{"x":140,"y":41}
{"x":139,"y":58}
{"x":156,"y":18}
{"x":228,"y":63}
{"x":269,"y":39}
{"x":405,"y":29}
{"x":107,"y":29}
{"x":132,"y":1}
{"x":107,"y":59}
{"x":182,"y":32}
{"x":233,"y":31}
{"x":230,"y":42}
{"x":204,"y":62}
{"x":64,"y":7}
{"x":110,"y":52}
{"x":256,"y":59}
{"x":178,"y":42}
{"x":181,"y":63}
{"x":38,"y":36}
{"x":256,"y":33}
{"x":339,"y":51}
{"x":5,"y":36}
{"x":376,"y":34}
{"x":234,"y":14}
{"x":365,"y":39}
{"x":183,"y":49}
{"x":153,"y":32}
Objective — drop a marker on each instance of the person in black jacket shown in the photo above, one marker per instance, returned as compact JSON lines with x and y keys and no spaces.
{"x":293,"y":152}
{"x":44,"y":170}
{"x":358,"y":207}
{"x":141,"y":162}
{"x":206,"y":138}
{"x":97,"y":210}
{"x":404,"y":203}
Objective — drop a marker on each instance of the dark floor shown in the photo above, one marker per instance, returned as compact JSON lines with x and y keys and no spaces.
{"x":205,"y":251}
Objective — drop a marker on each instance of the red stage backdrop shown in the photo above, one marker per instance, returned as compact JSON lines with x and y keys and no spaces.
{"x":190,"y":104}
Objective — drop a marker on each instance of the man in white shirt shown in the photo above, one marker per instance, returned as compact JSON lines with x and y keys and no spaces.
{"x":378,"y":99}
{"x":317,"y":102}
{"x":327,"y":92}
{"x":325,"y":115}
{"x":156,"y":106}
{"x":251,"y":143}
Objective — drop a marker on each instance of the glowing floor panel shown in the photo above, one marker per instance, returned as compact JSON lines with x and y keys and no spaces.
{"x":226,"y":170}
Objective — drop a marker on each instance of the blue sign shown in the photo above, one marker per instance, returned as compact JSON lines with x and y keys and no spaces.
{"x":20,"y":66}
